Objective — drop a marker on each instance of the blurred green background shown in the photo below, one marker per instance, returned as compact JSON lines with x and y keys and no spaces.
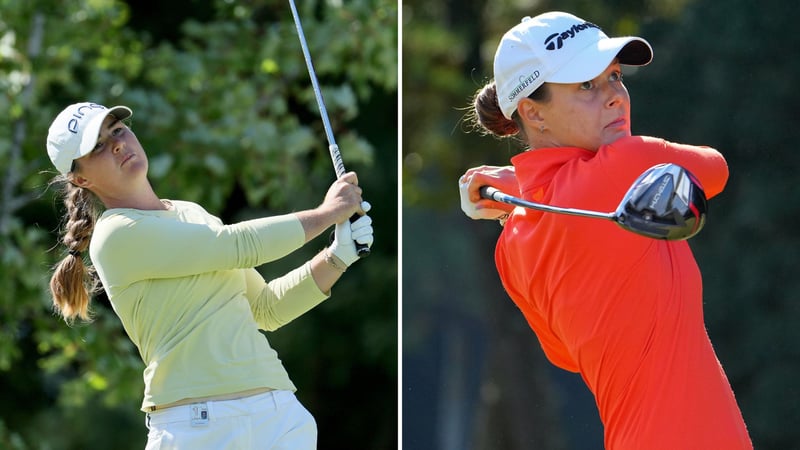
{"x":224,"y":107}
{"x":725,"y":75}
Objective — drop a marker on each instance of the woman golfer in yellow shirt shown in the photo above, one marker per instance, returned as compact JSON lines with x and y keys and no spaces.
{"x":184,"y":286}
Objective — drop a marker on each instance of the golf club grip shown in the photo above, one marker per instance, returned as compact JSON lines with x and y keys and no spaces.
{"x":336,"y":159}
{"x":491,"y":193}
{"x":362,"y":250}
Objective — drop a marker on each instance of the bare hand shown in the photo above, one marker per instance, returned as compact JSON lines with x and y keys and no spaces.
{"x":343,"y":199}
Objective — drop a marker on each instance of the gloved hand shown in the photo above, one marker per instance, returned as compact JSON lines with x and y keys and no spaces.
{"x":500,"y":177}
{"x":471,"y":209}
{"x":347,"y":234}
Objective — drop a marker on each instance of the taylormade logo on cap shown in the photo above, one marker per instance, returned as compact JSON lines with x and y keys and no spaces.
{"x":74,"y":132}
{"x":557,"y":47}
{"x":556,"y":40}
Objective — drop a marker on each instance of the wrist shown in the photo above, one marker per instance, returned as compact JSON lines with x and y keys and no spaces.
{"x":334,"y":261}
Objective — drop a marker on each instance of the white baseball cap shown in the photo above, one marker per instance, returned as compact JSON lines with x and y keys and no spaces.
{"x":557,"y":47}
{"x":75,"y":130}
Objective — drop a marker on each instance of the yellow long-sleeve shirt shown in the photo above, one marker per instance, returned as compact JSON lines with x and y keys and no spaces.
{"x":185,"y":288}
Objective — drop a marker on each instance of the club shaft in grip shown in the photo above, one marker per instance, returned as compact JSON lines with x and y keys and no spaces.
{"x":362,"y":250}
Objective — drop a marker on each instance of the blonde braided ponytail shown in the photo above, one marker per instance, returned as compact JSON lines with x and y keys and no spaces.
{"x":74,"y":282}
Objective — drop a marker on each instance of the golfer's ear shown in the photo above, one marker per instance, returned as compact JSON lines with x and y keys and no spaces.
{"x":79,"y":180}
{"x":530,"y":113}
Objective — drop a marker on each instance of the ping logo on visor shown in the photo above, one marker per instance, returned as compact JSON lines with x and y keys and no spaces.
{"x":74,"y":122}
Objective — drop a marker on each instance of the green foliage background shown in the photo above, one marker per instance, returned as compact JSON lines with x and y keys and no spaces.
{"x":223,"y":106}
{"x":724,"y":76}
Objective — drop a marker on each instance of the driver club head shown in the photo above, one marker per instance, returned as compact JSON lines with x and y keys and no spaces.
{"x":665,"y":202}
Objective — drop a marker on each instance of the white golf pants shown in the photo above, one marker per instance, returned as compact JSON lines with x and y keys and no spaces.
{"x":272,"y":420}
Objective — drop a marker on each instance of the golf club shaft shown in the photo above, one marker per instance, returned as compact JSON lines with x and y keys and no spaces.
{"x":491,"y":193}
{"x":336,"y":156}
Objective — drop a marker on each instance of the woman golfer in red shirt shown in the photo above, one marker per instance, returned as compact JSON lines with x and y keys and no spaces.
{"x":624,"y":311}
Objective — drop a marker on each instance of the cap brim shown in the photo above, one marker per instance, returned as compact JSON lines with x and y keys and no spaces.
{"x":594,"y":59}
{"x":92,"y":131}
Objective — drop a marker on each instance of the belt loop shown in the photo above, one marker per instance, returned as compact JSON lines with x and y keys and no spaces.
{"x":274,"y":396}
{"x":212,"y":415}
{"x":147,"y":420}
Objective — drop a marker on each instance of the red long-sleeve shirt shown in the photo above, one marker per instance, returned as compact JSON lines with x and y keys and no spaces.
{"x":623,"y":310}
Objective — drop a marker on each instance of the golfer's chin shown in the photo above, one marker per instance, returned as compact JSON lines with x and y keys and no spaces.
{"x":612,"y":135}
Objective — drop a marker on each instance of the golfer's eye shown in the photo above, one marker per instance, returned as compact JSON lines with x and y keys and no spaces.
{"x":116,"y":131}
{"x":587,"y":85}
{"x":615,"y":76}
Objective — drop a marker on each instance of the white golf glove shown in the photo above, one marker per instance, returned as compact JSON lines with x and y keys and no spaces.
{"x":469,"y":208}
{"x":347,"y":234}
